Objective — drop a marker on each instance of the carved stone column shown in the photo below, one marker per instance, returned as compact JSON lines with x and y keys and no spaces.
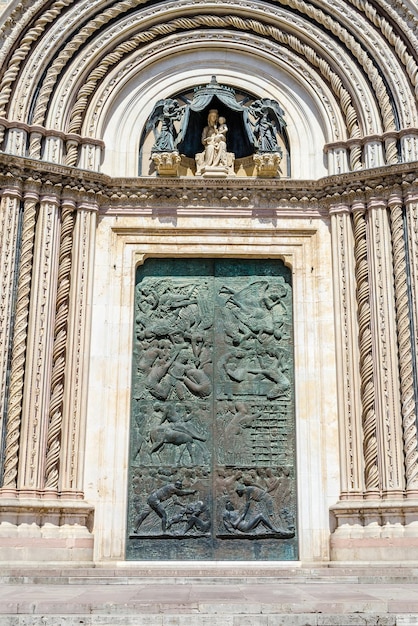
{"x":40,"y":343}
{"x":411,"y":207}
{"x":59,"y":526}
{"x":386,"y":379}
{"x":349,"y":406}
{"x":14,"y":410}
{"x":9,"y":227}
{"x":54,"y":433}
{"x":77,"y":358}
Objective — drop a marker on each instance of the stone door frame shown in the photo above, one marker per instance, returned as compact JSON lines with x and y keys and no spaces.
{"x":124,"y":242}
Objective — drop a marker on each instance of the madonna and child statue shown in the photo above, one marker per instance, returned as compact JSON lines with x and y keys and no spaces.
{"x":215,"y":159}
{"x":215,"y":130}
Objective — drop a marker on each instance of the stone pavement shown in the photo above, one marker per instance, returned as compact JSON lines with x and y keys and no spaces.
{"x":250,"y":596}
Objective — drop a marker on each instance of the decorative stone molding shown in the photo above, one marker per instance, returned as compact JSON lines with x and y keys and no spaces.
{"x":191,"y":194}
{"x":406,"y":367}
{"x":371,"y":148}
{"x":53,"y":442}
{"x":53,"y":142}
{"x":9,"y":228}
{"x":35,"y":529}
{"x":16,"y":141}
{"x":39,"y":343}
{"x":14,"y":411}
{"x":109,"y":61}
{"x":385,"y":351}
{"x":349,"y":406}
{"x":367,"y":391}
{"x":348,"y":39}
{"x":78,"y":350}
{"x":26,"y":510}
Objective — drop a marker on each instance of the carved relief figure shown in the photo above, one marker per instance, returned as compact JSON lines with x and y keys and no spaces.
{"x":194,"y":516}
{"x":253,"y":307}
{"x":156,"y":502}
{"x":175,"y":430}
{"x":240,"y":520}
{"x":174,"y":359}
{"x":258,"y":514}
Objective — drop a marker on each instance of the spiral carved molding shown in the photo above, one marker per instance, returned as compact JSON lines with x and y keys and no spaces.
{"x":405,"y":347}
{"x":59,"y":349}
{"x":313,"y":13}
{"x":26,"y":43}
{"x":371,"y":472}
{"x":65,"y":55}
{"x":19,"y":345}
{"x":212,"y":21}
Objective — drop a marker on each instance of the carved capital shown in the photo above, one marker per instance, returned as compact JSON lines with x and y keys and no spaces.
{"x":267,"y":164}
{"x":339,"y":208}
{"x":358,"y":206}
{"x":395,"y":199}
{"x":166,"y":163}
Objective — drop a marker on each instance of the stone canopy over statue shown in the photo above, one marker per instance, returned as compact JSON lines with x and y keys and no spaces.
{"x":214,"y":130}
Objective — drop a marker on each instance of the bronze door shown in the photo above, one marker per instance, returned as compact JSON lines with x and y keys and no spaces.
{"x":212,"y":454}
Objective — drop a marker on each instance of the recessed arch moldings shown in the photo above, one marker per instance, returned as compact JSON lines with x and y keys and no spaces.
{"x":85,"y":82}
{"x":280,"y":20}
{"x":294,"y":22}
{"x":366,"y":64}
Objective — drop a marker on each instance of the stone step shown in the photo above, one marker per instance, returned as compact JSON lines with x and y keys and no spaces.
{"x":144,"y":573}
{"x":147,"y":594}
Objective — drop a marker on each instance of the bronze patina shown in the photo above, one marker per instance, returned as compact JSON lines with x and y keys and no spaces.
{"x":212,"y":460}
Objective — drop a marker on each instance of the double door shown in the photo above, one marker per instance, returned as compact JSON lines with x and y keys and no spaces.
{"x":212,"y":445}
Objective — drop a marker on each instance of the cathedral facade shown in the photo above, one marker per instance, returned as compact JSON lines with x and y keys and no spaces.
{"x":209,"y":280}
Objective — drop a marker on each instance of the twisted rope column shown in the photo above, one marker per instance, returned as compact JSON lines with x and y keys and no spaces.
{"x":9,"y":226}
{"x":367,"y":393}
{"x":59,"y":347}
{"x":411,"y":206}
{"x":19,"y":55}
{"x":405,"y":345}
{"x":14,"y":412}
{"x":39,"y":342}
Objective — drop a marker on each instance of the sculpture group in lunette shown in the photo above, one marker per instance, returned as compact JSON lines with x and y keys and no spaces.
{"x":261,"y":124}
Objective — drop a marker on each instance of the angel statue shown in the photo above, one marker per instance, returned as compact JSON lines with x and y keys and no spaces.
{"x":269,"y":122}
{"x":167,"y":112}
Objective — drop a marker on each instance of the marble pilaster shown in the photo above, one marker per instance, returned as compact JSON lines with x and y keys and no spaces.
{"x":349,"y":406}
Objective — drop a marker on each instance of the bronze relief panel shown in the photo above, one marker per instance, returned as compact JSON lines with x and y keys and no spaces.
{"x":212,"y":459}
